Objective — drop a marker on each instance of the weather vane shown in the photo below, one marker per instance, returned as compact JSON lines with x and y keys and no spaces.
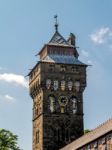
{"x":56,"y":22}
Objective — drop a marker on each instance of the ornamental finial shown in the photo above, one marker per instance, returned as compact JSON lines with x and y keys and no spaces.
{"x":56,"y":22}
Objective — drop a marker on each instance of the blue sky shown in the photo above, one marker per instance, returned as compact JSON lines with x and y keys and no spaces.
{"x":25,"y":25}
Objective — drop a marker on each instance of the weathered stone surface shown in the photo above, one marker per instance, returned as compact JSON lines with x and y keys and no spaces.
{"x":57,"y":93}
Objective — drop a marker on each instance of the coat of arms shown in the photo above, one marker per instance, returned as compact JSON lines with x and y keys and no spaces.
{"x":77,"y":86}
{"x":63,"y":85}
{"x":70,"y":85}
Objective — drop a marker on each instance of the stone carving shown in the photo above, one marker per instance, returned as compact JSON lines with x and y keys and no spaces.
{"x":63,"y":84}
{"x":70,"y":85}
{"x":55,"y":85}
{"x":74,"y":104}
{"x":48,"y":84}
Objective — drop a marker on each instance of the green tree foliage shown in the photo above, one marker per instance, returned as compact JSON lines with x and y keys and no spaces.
{"x":86,"y":131}
{"x":8,"y":141}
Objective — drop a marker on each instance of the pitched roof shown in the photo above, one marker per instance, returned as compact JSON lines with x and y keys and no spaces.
{"x":64,"y":59}
{"x":90,"y":136}
{"x":58,"y":39}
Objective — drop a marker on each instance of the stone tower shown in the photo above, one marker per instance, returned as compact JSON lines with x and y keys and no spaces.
{"x":56,"y":85}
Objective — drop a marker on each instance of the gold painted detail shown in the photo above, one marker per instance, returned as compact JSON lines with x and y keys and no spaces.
{"x":63,"y":100}
{"x":63,"y":83}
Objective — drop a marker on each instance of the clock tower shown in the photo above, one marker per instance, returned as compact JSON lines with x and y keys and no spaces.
{"x":56,"y":84}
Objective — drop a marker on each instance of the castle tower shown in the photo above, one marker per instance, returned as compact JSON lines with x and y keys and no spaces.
{"x":56,"y":85}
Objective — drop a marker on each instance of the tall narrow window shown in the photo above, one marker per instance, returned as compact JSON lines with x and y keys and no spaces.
{"x":67,"y":135}
{"x":37,"y":136}
{"x":63,"y":134}
{"x":59,"y":135}
{"x":33,"y":112}
{"x":52,"y":103}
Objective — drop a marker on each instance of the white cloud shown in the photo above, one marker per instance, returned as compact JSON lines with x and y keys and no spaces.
{"x":9,"y":98}
{"x":14,"y":78}
{"x":90,"y":62}
{"x":101,"y":35}
{"x":85,"y":53}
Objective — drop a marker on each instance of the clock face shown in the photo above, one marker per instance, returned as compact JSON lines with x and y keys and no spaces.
{"x":63,"y":100}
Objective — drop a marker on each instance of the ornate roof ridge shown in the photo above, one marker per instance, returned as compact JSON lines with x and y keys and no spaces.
{"x":110,"y":119}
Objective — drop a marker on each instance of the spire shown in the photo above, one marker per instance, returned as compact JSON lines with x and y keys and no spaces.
{"x":58,"y":39}
{"x":56,"y":23}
